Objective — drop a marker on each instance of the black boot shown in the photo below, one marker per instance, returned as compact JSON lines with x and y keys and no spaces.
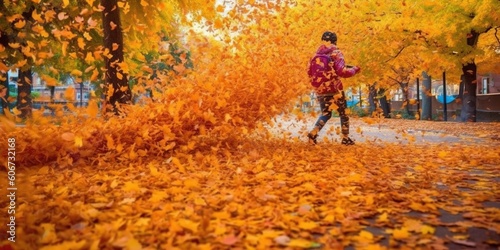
{"x":312,"y":138}
{"x":347,"y":141}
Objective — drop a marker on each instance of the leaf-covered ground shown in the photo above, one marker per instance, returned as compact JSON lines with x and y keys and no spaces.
{"x":399,"y":187}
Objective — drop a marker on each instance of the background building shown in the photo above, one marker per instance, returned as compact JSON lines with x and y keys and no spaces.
{"x":43,"y":95}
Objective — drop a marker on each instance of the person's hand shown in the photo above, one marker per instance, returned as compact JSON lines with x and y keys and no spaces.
{"x":357,"y":69}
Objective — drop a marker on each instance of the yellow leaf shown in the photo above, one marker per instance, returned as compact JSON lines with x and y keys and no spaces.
{"x":87,"y":36}
{"x":133,"y":244}
{"x":50,"y":15}
{"x":92,"y":109}
{"x":78,"y":141}
{"x":76,"y":72}
{"x":113,"y":184}
{"x":300,"y":243}
{"x":130,"y":186}
{"x":200,"y":202}
{"x":419,"y":168}
{"x":119,"y":75}
{"x":191,"y":183}
{"x":427,"y":229}
{"x":66,"y":245}
{"x":94,"y":75}
{"x":374,"y":247}
{"x":142,"y":58}
{"x":20,"y":24}
{"x":365,"y":236}
{"x":158,"y":196}
{"x":386,"y":169}
{"x":190,"y":225}
{"x":64,"y":47}
{"x":21,"y":63}
{"x":115,"y":46}
{"x":177,"y":163}
{"x":206,"y":246}
{"x":307,"y":225}
{"x":69,"y":94}
{"x":119,"y":148}
{"x":49,"y":234}
{"x":89,"y":59}
{"x":3,"y":67}
{"x":132,"y":154}
{"x":142,"y":222}
{"x":369,"y":200}
{"x":383,"y":218}
{"x":90,"y":68}
{"x":461,"y":237}
{"x":90,"y":2}
{"x":218,"y":23}
{"x":220,"y":8}
{"x":442,"y":154}
{"x":65,"y":3}
{"x":43,"y":170}
{"x":400,"y":234}
{"x":329,"y":218}
{"x":153,"y":170}
{"x":37,"y":17}
{"x":110,"y":143}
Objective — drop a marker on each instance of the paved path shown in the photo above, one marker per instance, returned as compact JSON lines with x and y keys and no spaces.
{"x":363,"y":132}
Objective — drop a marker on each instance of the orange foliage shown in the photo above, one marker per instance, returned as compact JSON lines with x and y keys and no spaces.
{"x":205,"y":164}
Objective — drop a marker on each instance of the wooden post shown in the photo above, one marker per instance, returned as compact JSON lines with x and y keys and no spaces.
{"x":445,"y":105}
{"x":418,"y":98}
{"x":360,"y":101}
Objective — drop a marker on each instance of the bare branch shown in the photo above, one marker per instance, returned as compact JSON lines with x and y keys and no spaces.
{"x":496,"y":36}
{"x":399,"y":52}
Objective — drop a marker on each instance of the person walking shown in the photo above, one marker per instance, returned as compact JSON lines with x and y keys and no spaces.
{"x":325,"y":70}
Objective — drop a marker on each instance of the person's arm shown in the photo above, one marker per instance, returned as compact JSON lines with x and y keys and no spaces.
{"x":340,"y":67}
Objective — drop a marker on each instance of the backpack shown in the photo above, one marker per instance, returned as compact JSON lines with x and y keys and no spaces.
{"x":320,"y":69}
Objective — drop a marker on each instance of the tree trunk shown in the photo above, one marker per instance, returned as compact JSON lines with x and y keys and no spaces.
{"x":5,"y":83}
{"x":426,"y":97}
{"x":24,"y":102}
{"x":469,"y":70}
{"x":384,"y":104}
{"x":468,"y":113}
{"x":116,"y":89}
{"x":406,"y":101}
{"x":52,"y":93}
{"x":4,"y":94}
{"x":372,"y":98}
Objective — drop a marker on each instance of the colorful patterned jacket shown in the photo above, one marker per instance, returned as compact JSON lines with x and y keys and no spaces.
{"x":339,"y":71}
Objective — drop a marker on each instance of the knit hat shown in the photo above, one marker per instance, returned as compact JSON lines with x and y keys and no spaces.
{"x":329,"y":37}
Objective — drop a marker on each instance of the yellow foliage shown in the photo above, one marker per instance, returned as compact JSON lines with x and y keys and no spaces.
{"x":200,"y":162}
{"x":69,"y":93}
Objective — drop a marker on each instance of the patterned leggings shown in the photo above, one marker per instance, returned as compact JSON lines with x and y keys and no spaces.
{"x":325,"y":102}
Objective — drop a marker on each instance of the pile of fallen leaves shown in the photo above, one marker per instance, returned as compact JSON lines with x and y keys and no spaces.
{"x":229,"y":93}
